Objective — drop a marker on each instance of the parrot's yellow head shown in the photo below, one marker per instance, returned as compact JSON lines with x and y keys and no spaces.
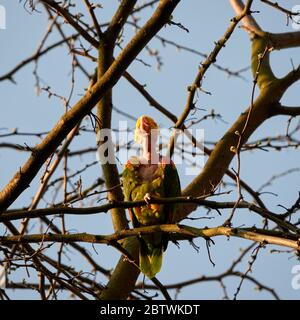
{"x":145,"y":126}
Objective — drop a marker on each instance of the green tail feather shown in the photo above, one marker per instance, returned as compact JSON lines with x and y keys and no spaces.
{"x":150,"y":258}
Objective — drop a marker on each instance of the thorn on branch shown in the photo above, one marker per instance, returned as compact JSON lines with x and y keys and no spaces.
{"x":178,"y":24}
{"x":209,"y":241}
{"x":193,"y":244}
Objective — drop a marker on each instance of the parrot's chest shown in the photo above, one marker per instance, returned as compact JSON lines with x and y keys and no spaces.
{"x":147,"y":172}
{"x":150,"y":181}
{"x":143,"y":186}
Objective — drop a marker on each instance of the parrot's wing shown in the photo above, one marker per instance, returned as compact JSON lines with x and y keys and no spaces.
{"x":130,"y":182}
{"x":172,"y":189}
{"x":130,"y":177}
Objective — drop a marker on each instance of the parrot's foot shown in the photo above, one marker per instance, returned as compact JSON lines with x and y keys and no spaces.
{"x":147,"y":198}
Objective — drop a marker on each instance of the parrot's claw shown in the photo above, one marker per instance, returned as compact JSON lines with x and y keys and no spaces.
{"x":147,"y":198}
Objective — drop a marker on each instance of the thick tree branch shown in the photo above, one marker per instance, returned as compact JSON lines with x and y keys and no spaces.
{"x":278,"y":40}
{"x":286,"y":111}
{"x":248,"y":21}
{"x":285,"y":40}
{"x":179,"y":231}
{"x":125,"y":272}
{"x":199,"y":201}
{"x":104,"y":108}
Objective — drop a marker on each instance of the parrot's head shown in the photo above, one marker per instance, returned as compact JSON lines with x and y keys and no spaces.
{"x":146,"y":129}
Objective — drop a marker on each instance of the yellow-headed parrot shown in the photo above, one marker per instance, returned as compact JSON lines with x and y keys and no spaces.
{"x":144,"y":176}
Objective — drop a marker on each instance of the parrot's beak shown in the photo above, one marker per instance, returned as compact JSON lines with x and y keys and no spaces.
{"x":145,"y":128}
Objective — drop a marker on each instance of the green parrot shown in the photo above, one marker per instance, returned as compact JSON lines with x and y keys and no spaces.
{"x":144,"y":176}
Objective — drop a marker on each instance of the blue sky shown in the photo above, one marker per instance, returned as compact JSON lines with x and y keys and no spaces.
{"x":206,"y":20}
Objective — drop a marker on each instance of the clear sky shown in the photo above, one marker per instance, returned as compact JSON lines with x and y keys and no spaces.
{"x":22,"y":108}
